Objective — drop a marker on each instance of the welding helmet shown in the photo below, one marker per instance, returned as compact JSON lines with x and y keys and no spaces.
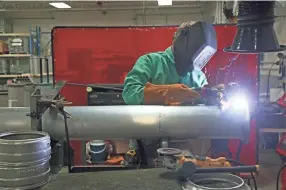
{"x":193,"y":46}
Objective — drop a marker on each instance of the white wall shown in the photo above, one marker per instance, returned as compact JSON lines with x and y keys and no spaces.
{"x":124,"y":17}
{"x":167,"y":16}
{"x":47,"y":19}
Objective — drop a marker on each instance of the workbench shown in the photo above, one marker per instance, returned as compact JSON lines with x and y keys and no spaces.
{"x":146,"y":179}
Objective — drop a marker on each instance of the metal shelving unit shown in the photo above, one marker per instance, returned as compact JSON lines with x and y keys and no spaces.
{"x":29,"y":62}
{"x":13,"y":57}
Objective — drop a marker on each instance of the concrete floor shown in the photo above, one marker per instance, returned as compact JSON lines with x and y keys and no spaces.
{"x":269,"y":164}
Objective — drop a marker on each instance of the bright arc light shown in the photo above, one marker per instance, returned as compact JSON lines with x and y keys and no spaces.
{"x":238,"y":103}
{"x":164,"y":2}
{"x":60,"y":5}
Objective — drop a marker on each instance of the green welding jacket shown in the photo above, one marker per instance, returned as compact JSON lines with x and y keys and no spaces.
{"x":157,"y":68}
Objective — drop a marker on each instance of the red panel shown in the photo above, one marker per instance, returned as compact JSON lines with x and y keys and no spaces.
{"x":105,"y":55}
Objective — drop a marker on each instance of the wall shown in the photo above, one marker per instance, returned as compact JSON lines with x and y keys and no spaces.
{"x":114,"y":16}
{"x":121,"y":17}
{"x":166,"y":16}
{"x":269,"y":58}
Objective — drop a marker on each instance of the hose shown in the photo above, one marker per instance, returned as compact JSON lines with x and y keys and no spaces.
{"x":278,"y":176}
{"x":142,"y":154}
{"x":251,"y":173}
{"x":67,"y":139}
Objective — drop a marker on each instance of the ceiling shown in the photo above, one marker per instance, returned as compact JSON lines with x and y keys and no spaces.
{"x":82,"y":5}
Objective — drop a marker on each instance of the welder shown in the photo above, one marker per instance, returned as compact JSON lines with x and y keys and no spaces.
{"x":167,"y":78}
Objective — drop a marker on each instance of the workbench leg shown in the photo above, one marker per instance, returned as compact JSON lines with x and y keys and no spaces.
{"x":83,"y":152}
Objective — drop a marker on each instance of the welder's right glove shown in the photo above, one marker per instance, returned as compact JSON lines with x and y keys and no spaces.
{"x":173,"y":94}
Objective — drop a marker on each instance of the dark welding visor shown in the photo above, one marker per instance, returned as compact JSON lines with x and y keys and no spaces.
{"x":194,"y":46}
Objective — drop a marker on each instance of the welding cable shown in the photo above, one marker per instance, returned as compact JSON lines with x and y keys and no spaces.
{"x":278,"y":175}
{"x":67,"y":139}
{"x":96,"y":86}
{"x":254,"y":181}
{"x":238,"y":151}
{"x":268,"y":81}
{"x":251,"y":173}
{"x":142,"y":152}
{"x":280,"y":56}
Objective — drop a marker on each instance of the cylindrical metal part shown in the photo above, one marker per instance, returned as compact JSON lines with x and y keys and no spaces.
{"x":215,"y":182}
{"x":28,"y":91}
{"x":140,"y":122}
{"x":24,"y":159}
{"x":5,"y":66}
{"x":14,"y":119}
{"x":16,"y":95}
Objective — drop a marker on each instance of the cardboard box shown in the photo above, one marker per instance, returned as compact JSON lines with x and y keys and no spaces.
{"x":196,"y":146}
{"x":3,"y":48}
{"x":120,"y":146}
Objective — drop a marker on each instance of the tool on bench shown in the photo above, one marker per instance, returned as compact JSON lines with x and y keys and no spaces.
{"x":96,"y":86}
{"x":176,"y":157}
{"x":189,"y":168}
{"x":218,"y":95}
{"x":131,"y":157}
{"x":188,"y":165}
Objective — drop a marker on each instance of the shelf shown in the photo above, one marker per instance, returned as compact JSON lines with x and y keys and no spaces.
{"x":14,"y":55}
{"x":14,"y":34}
{"x":35,"y":75}
{"x":8,"y":76}
{"x":23,"y":75}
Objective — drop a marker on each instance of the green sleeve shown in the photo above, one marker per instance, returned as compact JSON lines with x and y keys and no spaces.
{"x":134,"y":83}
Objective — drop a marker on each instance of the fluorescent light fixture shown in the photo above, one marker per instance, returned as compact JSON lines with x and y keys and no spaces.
{"x":60,"y":5}
{"x":164,"y":2}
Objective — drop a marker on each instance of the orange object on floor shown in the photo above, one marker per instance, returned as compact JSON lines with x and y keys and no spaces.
{"x":115,"y":160}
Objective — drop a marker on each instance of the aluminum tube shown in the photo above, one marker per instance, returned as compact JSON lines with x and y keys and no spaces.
{"x":124,"y":122}
{"x":14,"y":119}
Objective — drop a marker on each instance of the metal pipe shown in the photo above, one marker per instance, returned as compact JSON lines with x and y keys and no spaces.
{"x":124,"y":122}
{"x":140,"y":122}
{"x":41,"y":70}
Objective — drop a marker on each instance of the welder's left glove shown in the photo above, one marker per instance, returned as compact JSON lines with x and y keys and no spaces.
{"x":179,"y":93}
{"x":173,"y":94}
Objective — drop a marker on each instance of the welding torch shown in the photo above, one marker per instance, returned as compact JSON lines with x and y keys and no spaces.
{"x":218,"y":93}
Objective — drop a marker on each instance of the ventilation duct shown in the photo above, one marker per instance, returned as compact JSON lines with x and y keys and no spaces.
{"x":255,"y":32}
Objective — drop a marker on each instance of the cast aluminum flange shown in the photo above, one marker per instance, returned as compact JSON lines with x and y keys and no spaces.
{"x":216,"y":181}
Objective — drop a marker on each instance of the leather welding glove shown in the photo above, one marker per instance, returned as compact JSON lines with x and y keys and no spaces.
{"x":173,"y":94}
